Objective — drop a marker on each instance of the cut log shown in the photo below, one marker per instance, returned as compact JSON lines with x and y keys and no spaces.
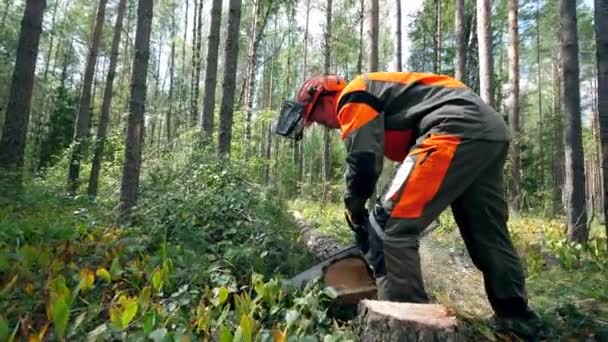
{"x":388,"y":321}
{"x":344,"y":270}
{"x":321,"y":246}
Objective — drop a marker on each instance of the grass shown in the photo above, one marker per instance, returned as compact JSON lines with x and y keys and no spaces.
{"x":566,"y":282}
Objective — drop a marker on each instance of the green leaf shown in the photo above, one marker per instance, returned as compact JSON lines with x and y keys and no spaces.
{"x":238,"y":335}
{"x":103,"y":274}
{"x":247,"y":326}
{"x":115,"y":269}
{"x":60,"y":314}
{"x":4,"y":329}
{"x":157,"y":279}
{"x":144,"y":297}
{"x":222,"y":294}
{"x":129,"y":312}
{"x":149,"y":322}
{"x":225,"y":334}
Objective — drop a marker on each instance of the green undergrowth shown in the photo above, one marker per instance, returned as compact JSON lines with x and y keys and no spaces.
{"x":566,"y":282}
{"x":203,"y":260}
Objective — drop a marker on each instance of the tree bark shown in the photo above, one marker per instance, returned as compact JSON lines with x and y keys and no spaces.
{"x":372,"y":35}
{"x":398,"y":36}
{"x":601,"y":38}
{"x":183,"y":85}
{"x":197,"y":72}
{"x":484,"y":36}
{"x":575,"y":173}
{"x":213,"y":43}
{"x":194,"y":62}
{"x":169,"y":117}
{"x":438,"y":37}
{"x":12,"y":145}
{"x":389,"y":321}
{"x":228,"y":85}
{"x":7,"y":4}
{"x":137,"y":107}
{"x":83,"y":118}
{"x":513,"y":102}
{"x":361,"y":47}
{"x":540,"y":98}
{"x":257,"y":31}
{"x":104,"y":118}
{"x":326,"y":132}
{"x":460,"y":58}
{"x":557,"y":161}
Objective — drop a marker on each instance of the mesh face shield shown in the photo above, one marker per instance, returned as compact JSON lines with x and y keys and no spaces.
{"x":291,"y":120}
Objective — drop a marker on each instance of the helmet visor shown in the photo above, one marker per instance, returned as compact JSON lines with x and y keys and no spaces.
{"x":291,"y":120}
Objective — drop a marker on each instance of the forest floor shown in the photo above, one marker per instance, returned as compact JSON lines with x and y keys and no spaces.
{"x":567,"y":287}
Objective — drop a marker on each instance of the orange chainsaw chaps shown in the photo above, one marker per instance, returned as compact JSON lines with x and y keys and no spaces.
{"x":433,"y":159}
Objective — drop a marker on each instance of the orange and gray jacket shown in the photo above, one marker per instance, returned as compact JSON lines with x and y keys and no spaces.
{"x":385,"y":113}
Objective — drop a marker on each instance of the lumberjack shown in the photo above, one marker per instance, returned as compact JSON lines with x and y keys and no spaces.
{"x":452,"y":148}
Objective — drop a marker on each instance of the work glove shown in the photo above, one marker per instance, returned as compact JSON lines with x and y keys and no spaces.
{"x":360,"y":233}
{"x":355,"y":210}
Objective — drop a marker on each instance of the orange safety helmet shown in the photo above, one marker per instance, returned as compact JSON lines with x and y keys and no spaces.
{"x":295,"y":115}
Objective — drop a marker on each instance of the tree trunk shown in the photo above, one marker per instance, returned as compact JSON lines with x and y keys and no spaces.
{"x":326,"y":132}
{"x":7,"y":4}
{"x":83,"y":118}
{"x":389,"y":321}
{"x":513,"y":102}
{"x":12,"y":145}
{"x":540,"y":98}
{"x":460,"y":58}
{"x":137,"y":104}
{"x":252,"y":56}
{"x":197,"y":71}
{"x":399,"y":61}
{"x":194,"y":62}
{"x":183,"y":85}
{"x":213,"y":43}
{"x":484,"y":36}
{"x":228,"y":85}
{"x":361,"y":47}
{"x":558,"y":141}
{"x":104,"y":118}
{"x":601,"y":38}
{"x":268,"y":154}
{"x":575,"y":173}
{"x":438,"y":37}
{"x":169,"y":118}
{"x":372,"y":35}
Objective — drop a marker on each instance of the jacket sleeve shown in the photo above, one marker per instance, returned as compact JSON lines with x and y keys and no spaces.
{"x":362,"y":124}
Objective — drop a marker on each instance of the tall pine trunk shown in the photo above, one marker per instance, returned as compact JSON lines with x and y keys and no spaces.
{"x":575,"y":173}
{"x":12,"y":145}
{"x":601,"y":38}
{"x":486,"y":64}
{"x":326,"y":132}
{"x":104,"y":118}
{"x":137,"y":107}
{"x":372,"y":35}
{"x":437,"y":38}
{"x":194,"y":62}
{"x":183,"y":84}
{"x":81,"y":132}
{"x":513,"y":102}
{"x":460,"y":57}
{"x":398,"y":37}
{"x":197,"y":71}
{"x":169,"y":116}
{"x":213,"y":43}
{"x":540,"y":98}
{"x":228,"y":85}
{"x":252,"y":56}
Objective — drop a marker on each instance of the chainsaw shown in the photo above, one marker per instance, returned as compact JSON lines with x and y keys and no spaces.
{"x":348,"y":273}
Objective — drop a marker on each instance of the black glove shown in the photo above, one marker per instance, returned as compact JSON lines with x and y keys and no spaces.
{"x":360,"y":232}
{"x":356,"y":210}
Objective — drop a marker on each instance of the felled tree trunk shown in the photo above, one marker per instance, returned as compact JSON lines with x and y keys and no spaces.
{"x":321,"y":246}
{"x":388,"y":321}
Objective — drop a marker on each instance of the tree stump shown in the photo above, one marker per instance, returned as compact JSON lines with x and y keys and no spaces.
{"x":388,"y":321}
